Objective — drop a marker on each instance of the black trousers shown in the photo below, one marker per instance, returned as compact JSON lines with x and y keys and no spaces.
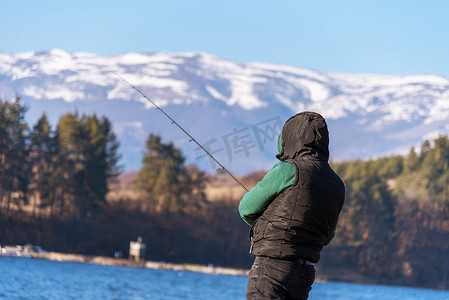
{"x":271,"y":278}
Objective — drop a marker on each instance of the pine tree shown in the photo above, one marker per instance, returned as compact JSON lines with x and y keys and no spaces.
{"x":5,"y":141}
{"x":68,"y":134}
{"x":164,"y":179}
{"x":15,"y":166}
{"x":435,"y":169}
{"x":112,"y":146}
{"x":412,"y":161}
{"x":44,"y":183}
{"x":100,"y":161}
{"x":88,"y":155}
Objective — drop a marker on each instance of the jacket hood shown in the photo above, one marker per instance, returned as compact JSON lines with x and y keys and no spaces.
{"x":304,"y":134}
{"x":280,"y":142}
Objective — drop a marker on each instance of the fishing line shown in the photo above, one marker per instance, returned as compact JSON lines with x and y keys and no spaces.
{"x":183,"y":130}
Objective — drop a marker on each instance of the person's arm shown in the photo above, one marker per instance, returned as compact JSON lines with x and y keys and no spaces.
{"x":332,"y":235}
{"x":254,"y":202}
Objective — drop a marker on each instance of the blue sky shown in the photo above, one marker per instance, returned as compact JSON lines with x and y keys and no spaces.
{"x":384,"y":36}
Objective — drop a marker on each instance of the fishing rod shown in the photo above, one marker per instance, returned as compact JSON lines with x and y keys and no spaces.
{"x":183,"y":130}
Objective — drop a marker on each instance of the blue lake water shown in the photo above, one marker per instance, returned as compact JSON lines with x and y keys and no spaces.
{"x":25,"y":278}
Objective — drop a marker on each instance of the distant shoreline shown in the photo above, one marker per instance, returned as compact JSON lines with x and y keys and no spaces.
{"x":206,"y":269}
{"x":104,"y":260}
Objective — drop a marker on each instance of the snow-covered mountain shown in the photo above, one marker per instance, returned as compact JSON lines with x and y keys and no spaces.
{"x":235,"y":110}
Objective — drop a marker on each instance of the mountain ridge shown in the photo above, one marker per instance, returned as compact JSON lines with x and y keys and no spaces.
{"x":226,"y":105}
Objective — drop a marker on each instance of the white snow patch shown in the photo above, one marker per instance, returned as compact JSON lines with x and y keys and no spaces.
{"x":286,"y":101}
{"x":92,"y":78}
{"x":177,"y":86}
{"x":242,"y":91}
{"x":134,"y":59}
{"x":138,"y":59}
{"x":283,"y":70}
{"x":121,"y":92}
{"x":56,"y":62}
{"x":317,"y":91}
{"x":439,"y":110}
{"x":158,"y":102}
{"x":25,"y":55}
{"x":159,"y":66}
{"x":220,"y":64}
{"x":120,"y":127}
{"x":216,"y":94}
{"x":19,"y":73}
{"x":56,"y":92}
{"x":5,"y":62}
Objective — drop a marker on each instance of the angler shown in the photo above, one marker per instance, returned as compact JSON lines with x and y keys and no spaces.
{"x":293,"y":211}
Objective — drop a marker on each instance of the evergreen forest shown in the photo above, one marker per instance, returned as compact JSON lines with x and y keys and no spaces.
{"x":55,"y":182}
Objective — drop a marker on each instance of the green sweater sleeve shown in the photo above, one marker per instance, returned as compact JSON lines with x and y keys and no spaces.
{"x":254,"y":202}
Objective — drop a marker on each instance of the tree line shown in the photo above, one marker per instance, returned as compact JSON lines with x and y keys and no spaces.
{"x":63,"y":170}
{"x":54,"y":182}
{"x":394,"y":224}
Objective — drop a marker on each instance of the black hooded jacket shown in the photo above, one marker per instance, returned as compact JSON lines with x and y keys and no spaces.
{"x":299,"y":220}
